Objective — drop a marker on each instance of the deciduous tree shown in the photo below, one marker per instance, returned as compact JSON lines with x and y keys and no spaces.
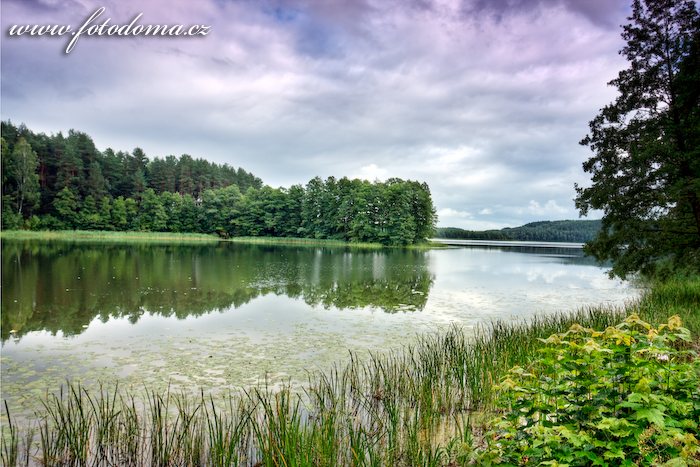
{"x":21,"y":173}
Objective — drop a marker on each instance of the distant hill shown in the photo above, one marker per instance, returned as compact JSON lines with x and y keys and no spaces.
{"x":578,"y":231}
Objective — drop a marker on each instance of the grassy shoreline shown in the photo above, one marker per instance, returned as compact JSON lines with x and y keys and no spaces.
{"x":298,"y":241}
{"x":166,"y":237}
{"x":414,"y":406}
{"x":107,"y":236}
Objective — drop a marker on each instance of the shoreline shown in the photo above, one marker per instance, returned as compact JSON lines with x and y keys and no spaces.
{"x":438,"y":389}
{"x":164,"y":237}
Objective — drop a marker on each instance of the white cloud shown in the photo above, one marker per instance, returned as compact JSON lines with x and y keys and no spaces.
{"x":371,"y":172}
{"x":550,"y":208}
{"x":453,"y":213}
{"x":487,"y":109}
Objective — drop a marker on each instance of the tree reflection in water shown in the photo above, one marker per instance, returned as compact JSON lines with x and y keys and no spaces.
{"x":63,"y":286}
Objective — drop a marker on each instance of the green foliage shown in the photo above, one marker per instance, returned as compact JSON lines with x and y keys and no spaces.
{"x":105,"y":214}
{"x":66,"y":207}
{"x":412,"y":407}
{"x":629,"y":395}
{"x":89,"y":217}
{"x":11,"y":220}
{"x":83,"y":188}
{"x":397,"y":212}
{"x":118,"y":214}
{"x":462,"y":234}
{"x":20,"y":180}
{"x":132,"y":210}
{"x":646,"y":164}
{"x":152,"y":215}
{"x":219,"y":208}
{"x":578,"y":231}
{"x":95,"y":183}
{"x":74,"y":162}
{"x":187,"y":216}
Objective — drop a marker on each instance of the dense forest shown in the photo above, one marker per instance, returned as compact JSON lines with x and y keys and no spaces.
{"x":36,"y":167}
{"x":62,"y":182}
{"x":579,"y":231}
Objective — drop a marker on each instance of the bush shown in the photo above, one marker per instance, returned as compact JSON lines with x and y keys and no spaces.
{"x":32,"y":223}
{"x":49,"y":222}
{"x":10,"y":220}
{"x":629,"y":395}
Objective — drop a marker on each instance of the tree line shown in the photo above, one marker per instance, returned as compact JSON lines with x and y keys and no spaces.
{"x":59,"y":183}
{"x":576,"y":231}
{"x":36,"y":167}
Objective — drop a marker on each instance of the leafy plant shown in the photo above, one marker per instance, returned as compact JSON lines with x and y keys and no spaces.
{"x":628,"y":395}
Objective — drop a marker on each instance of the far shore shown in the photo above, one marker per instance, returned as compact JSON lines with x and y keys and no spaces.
{"x":168,"y":237}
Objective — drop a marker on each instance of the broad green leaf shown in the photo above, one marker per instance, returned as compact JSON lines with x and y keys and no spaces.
{"x":654,"y":416}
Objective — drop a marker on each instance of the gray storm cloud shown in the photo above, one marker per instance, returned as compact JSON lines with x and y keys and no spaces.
{"x":485,"y":101}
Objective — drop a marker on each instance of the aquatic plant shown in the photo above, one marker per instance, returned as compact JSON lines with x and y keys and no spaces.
{"x":420,"y":405}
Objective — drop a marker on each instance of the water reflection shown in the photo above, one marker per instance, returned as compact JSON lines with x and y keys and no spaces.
{"x":285,"y":310}
{"x":567,"y":255}
{"x":62,"y":287}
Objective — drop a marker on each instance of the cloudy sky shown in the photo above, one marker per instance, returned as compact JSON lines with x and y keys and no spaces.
{"x":485,"y":100}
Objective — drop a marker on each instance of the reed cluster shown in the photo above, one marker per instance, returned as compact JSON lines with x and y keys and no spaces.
{"x":107,"y":236}
{"x":297,"y":241}
{"x":419,"y":405}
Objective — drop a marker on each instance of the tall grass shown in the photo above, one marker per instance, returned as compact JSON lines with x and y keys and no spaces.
{"x":295,"y":241}
{"x":106,"y":236}
{"x":676,"y":296}
{"x":151,"y":237}
{"x":414,"y":406}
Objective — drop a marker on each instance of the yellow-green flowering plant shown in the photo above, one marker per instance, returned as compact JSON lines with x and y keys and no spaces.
{"x":628,"y":395}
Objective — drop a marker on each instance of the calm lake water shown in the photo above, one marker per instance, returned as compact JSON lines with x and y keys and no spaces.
{"x":226,"y":315}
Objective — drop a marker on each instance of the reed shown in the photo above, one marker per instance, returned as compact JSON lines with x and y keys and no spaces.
{"x":312,"y":242}
{"x":419,"y":405}
{"x":185,"y":237}
{"x":9,"y":444}
{"x":107,"y":236}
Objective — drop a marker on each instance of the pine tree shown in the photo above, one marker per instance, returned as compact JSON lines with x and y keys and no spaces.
{"x":646,"y":145}
{"x":95,"y":184}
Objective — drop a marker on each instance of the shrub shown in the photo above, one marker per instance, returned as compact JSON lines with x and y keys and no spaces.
{"x":10,"y":219}
{"x":629,"y":395}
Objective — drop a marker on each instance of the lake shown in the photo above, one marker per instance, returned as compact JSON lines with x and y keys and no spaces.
{"x":224,"y":316}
